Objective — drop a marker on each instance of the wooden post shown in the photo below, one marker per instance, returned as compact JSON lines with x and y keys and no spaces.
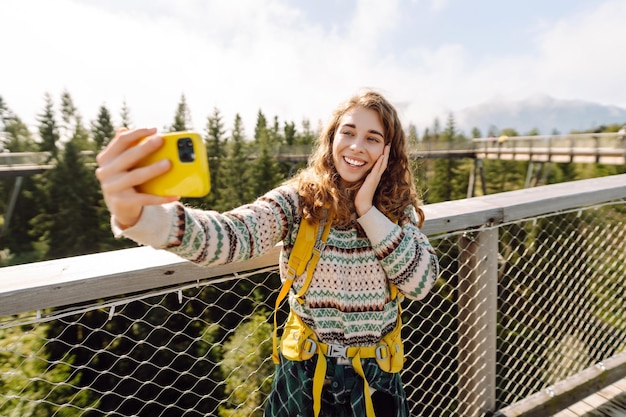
{"x":478,"y":274}
{"x":471,"y":185}
{"x":11,"y":206}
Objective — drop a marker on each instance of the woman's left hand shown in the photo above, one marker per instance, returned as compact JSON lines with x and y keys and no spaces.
{"x":364,"y":199}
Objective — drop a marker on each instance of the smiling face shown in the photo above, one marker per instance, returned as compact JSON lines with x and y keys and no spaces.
{"x":357,"y":144}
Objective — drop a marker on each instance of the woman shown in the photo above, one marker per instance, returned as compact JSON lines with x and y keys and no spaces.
{"x":359,"y":182}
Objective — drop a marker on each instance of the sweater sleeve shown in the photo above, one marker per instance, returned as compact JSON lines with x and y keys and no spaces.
{"x":212,"y":238}
{"x":155,"y":226}
{"x":403,"y":250}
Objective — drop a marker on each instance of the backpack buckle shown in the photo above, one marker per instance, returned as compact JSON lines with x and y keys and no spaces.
{"x":291,"y":273}
{"x":337,"y":351}
{"x":319,"y":247}
{"x":382,"y":352}
{"x":310,"y":346}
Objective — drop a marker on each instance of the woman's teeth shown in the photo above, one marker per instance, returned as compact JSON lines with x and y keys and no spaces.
{"x":354,"y":162}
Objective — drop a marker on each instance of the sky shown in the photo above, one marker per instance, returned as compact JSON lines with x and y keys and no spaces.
{"x":297,"y":59}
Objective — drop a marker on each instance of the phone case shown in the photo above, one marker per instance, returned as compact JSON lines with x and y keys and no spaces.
{"x":189,"y":175}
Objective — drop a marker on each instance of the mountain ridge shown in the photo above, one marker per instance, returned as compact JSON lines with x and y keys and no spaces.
{"x":542,"y":112}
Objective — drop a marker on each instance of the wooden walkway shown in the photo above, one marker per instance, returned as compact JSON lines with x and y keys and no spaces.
{"x":608,"y":402}
{"x":603,"y":148}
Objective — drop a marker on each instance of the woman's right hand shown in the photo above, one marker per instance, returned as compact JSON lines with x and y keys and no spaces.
{"x":118,"y":176}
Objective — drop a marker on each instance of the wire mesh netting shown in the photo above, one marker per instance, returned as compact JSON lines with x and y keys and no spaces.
{"x":204,"y":349}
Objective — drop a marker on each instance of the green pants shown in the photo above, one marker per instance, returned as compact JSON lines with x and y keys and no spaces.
{"x":342,"y":394}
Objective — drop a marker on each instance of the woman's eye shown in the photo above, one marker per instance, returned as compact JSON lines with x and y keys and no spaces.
{"x":374,"y":139}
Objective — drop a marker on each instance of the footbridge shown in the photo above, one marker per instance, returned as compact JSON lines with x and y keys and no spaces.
{"x":602,"y":148}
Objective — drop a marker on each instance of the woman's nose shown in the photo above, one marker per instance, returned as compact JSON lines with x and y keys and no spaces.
{"x":357,"y":144}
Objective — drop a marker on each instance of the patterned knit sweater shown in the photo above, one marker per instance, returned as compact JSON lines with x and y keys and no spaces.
{"x":348,"y":301}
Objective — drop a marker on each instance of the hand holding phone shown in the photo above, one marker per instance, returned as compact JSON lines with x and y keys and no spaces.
{"x":189,"y":175}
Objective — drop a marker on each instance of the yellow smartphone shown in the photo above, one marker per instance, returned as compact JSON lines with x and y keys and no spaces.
{"x":189,"y":175}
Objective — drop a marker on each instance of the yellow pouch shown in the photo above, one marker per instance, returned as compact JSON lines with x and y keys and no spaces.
{"x":390,"y":350}
{"x":298,"y":341}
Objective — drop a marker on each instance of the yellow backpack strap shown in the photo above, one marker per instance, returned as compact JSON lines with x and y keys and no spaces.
{"x":318,"y":247}
{"x":308,"y":246}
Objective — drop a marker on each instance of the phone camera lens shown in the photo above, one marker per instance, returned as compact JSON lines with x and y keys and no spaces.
{"x":185,"y":150}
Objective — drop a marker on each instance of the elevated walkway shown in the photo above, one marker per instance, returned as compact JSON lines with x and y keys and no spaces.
{"x":608,"y":402}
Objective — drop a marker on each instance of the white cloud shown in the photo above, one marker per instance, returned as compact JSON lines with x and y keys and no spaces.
{"x":584,"y":56}
{"x":437,"y":6}
{"x":249,"y":55}
{"x":577,"y":57}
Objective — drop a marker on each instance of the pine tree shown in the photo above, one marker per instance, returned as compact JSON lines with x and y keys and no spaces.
{"x":235,"y":169}
{"x":70,"y":222}
{"x":68,"y":116}
{"x":125,"y":116}
{"x":182,"y":118}
{"x":102,"y":129}
{"x":416,"y":163}
{"x":48,"y":128}
{"x":265,"y":170}
{"x":72,"y":127}
{"x":436,"y":130}
{"x":449,"y":181}
{"x":15,"y":134}
{"x":412,"y":136}
{"x":308,"y":136}
{"x":261,"y":127}
{"x":275,"y":136}
{"x":504,"y":175}
{"x":13,"y":235}
{"x":289,"y":131}
{"x":215,"y":147}
{"x":80,"y":135}
{"x":4,"y":114}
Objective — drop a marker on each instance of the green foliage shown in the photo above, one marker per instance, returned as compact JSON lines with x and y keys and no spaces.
{"x":71,"y":220}
{"x":504,"y":175}
{"x":274,"y":134}
{"x":40,"y":387}
{"x":412,"y":136}
{"x":451,"y":175}
{"x":18,"y":239}
{"x":48,"y":128}
{"x":307,"y":136}
{"x":261,"y":126}
{"x":236,"y":178}
{"x":182,"y":118}
{"x":264,"y":169}
{"x":102,"y":129}
{"x":125,"y":115}
{"x":247,"y":368}
{"x":69,"y":113}
{"x":16,"y":136}
{"x":290,"y":133}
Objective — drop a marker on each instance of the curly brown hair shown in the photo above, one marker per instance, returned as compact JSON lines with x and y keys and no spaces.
{"x":318,"y":184}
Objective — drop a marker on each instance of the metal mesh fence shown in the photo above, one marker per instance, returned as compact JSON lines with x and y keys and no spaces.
{"x":204,"y":349}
